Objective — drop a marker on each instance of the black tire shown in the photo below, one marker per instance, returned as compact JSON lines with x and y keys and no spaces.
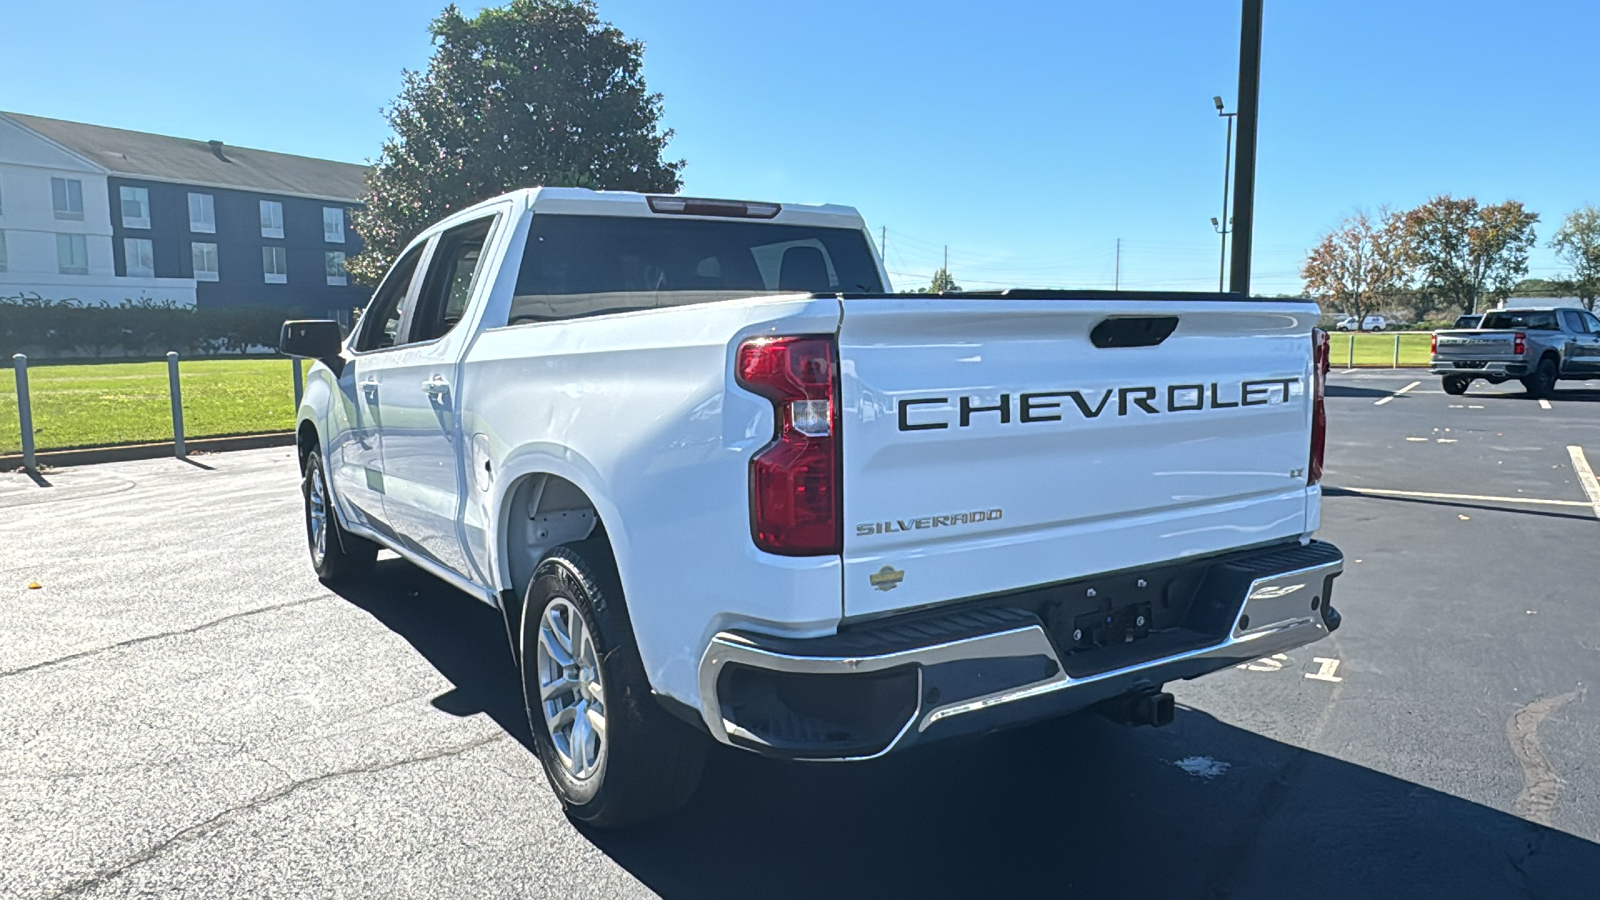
{"x":1542,"y":383}
{"x":1456,"y":384}
{"x":342,"y":556}
{"x":651,"y":761}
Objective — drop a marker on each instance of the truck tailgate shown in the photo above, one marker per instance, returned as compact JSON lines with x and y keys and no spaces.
{"x":990,"y":444}
{"x":1475,"y":345}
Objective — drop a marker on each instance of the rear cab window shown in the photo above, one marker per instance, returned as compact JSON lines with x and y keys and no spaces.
{"x":1525,"y":320}
{"x":578,"y":266}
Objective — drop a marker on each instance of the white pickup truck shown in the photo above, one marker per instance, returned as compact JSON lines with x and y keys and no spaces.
{"x":724,"y":486}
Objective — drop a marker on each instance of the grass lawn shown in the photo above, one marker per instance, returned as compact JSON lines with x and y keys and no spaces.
{"x":87,"y":405}
{"x":1377,"y":349}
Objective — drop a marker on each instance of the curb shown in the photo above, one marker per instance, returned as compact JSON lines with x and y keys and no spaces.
{"x":87,"y":456}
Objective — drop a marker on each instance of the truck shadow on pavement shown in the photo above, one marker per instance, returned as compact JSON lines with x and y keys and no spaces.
{"x":1074,"y":808}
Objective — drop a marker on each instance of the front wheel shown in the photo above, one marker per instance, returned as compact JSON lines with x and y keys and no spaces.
{"x":612,"y":754}
{"x":1456,"y":384}
{"x":1542,"y":383}
{"x":336,"y":554}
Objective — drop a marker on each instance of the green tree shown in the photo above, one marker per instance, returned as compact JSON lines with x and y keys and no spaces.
{"x":1463,"y":251}
{"x":1361,"y":262}
{"x":537,"y":92}
{"x":1577,"y":243}
{"x":942,"y":283}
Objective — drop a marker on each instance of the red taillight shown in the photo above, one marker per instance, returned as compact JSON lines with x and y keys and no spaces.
{"x":1433,"y":347}
{"x":1319,"y":411}
{"x":1520,"y":344}
{"x":794,"y":481}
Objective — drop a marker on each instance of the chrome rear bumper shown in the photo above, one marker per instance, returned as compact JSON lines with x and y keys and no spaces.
{"x":997,"y":666}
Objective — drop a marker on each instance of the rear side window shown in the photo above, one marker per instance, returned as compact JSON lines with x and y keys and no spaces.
{"x":1526,"y":320}
{"x":451,"y":275}
{"x":576,"y":266}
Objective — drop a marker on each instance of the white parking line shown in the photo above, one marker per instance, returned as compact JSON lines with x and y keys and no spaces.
{"x":1543,"y":403}
{"x":1428,"y":495}
{"x":1591,"y":486}
{"x":1397,"y":393}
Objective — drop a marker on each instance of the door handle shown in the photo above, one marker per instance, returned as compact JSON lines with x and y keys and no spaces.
{"x":436,"y":387}
{"x":370,"y":387}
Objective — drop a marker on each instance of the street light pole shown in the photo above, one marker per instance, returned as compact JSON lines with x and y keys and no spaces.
{"x":1223,"y":227}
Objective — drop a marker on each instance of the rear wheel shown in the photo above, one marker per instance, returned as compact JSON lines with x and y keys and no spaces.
{"x":1542,"y":383}
{"x":336,"y":554}
{"x":1456,"y":384}
{"x":612,"y":754}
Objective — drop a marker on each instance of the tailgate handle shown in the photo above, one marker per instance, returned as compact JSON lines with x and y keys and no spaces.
{"x":1133,"y":331}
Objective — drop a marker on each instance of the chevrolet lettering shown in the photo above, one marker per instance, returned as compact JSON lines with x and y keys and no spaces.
{"x":933,"y":413}
{"x":723,"y":485}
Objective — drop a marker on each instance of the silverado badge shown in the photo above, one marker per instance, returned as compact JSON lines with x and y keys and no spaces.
{"x":887,"y":578}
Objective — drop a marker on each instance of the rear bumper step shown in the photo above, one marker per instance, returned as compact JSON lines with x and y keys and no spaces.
{"x":906,"y":680}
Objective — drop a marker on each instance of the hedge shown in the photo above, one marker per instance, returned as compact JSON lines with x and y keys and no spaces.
{"x":55,"y":329}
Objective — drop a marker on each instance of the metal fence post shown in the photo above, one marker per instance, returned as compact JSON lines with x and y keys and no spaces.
{"x":177,"y":404}
{"x":299,"y":382}
{"x":1350,"y":363}
{"x":25,"y":413}
{"x":1396,"y":351}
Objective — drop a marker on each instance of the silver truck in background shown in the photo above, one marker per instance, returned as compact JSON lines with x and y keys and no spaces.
{"x":1537,"y":345}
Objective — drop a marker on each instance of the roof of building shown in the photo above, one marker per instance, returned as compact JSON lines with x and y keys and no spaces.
{"x":156,"y":157}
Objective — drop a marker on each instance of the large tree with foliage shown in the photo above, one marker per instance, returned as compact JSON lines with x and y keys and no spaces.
{"x":1577,"y":243}
{"x":1463,"y":251}
{"x":1359,"y":263}
{"x":537,"y":92}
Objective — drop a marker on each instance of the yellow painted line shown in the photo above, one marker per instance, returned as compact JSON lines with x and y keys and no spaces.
{"x":1591,"y":486}
{"x":1543,"y":403}
{"x":1428,"y":495}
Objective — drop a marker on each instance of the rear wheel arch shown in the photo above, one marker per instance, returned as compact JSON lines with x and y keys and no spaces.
{"x":542,"y":511}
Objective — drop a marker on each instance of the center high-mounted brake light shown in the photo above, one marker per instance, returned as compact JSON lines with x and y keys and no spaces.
{"x":1519,"y":344}
{"x":701,"y":206}
{"x":1320,"y":352}
{"x":794,"y":481}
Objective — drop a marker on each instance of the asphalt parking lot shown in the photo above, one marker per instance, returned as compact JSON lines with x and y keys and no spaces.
{"x":186,"y":711}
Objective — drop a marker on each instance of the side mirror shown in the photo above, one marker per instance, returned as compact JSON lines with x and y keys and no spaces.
{"x":319,"y":339}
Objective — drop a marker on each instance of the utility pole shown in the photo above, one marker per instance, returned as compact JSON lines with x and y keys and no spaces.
{"x":1224,"y":227}
{"x":1244,"y":197}
{"x":946,"y":259}
{"x":1116,"y":284}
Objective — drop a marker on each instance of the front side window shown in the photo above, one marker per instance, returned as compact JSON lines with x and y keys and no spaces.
{"x":271,"y":219}
{"x":333,"y":224}
{"x":66,"y":197}
{"x":135,"y":207}
{"x":380,"y":324}
{"x":72,"y":254}
{"x":202,"y":214}
{"x":575,"y":266}
{"x":333,"y":261}
{"x":275,"y":265}
{"x":139,"y":254}
{"x":205,"y":261}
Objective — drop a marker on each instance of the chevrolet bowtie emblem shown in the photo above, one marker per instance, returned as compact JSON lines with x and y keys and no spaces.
{"x":887,"y":578}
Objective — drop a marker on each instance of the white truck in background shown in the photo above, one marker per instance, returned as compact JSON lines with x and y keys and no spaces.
{"x":723,"y":485}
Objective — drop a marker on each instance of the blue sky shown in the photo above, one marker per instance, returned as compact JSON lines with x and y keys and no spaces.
{"x":1027,"y":136}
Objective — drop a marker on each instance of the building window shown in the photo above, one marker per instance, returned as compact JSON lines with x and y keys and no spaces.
{"x":140,"y":257}
{"x":66,"y":195}
{"x":275,"y":264}
{"x":135,"y":207}
{"x":72,"y":253}
{"x":202,"y":214}
{"x":333,"y":224}
{"x":205,"y":259}
{"x":271,"y":219}
{"x":2,"y":251}
{"x":334,"y":261}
